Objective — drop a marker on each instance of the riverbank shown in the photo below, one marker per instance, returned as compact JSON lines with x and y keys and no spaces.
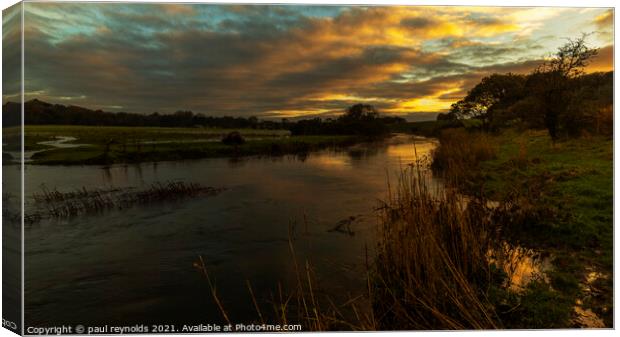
{"x":87,"y":145}
{"x":560,"y":203}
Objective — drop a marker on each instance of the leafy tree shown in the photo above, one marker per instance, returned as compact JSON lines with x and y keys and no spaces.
{"x":492,"y":94}
{"x":362,"y":119}
{"x":253,"y":120}
{"x":359,"y":112}
{"x":445,"y":117}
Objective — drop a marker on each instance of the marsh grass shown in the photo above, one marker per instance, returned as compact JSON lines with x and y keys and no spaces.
{"x":60,"y":205}
{"x":109,"y":145}
{"x":432,"y":269}
{"x":457,"y":157}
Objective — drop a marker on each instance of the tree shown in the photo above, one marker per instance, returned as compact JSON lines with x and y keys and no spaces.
{"x":552,"y":81}
{"x":493,"y":93}
{"x":359,"y":112}
{"x":445,"y":117}
{"x":362,"y":119}
{"x":253,"y":121}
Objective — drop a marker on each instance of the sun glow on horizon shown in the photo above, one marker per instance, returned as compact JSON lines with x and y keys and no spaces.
{"x":286,"y":61}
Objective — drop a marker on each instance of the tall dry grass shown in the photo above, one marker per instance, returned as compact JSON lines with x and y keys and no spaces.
{"x":458,"y":155}
{"x":432,"y":267}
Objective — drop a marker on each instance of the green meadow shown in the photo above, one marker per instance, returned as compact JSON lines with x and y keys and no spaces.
{"x":111,"y":144}
{"x":556,"y":198}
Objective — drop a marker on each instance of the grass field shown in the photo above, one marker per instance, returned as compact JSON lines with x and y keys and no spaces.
{"x":107,"y":145}
{"x":576,"y":177}
{"x":561,"y":202}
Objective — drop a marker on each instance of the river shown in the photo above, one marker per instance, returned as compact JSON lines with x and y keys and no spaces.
{"x":135,"y":266}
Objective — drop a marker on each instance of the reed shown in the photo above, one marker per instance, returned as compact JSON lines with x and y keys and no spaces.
{"x":459,"y":152}
{"x":432,"y":269}
{"x":56,"y":204}
{"x":50,"y":196}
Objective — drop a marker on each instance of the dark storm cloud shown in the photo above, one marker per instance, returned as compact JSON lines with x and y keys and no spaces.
{"x":261,"y":60}
{"x":11,"y":53}
{"x":417,"y":23}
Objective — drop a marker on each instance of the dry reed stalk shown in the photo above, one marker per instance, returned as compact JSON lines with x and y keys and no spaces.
{"x":203,"y":268}
{"x":431,"y":268}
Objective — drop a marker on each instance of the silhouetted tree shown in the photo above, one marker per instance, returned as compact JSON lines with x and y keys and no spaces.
{"x":552,"y":84}
{"x":362,"y":119}
{"x":360,"y":112}
{"x":493,"y":94}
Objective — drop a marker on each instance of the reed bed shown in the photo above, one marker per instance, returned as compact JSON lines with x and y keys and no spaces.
{"x":457,"y":157}
{"x":432,"y":268}
{"x":50,"y":196}
{"x":56,"y":204}
{"x":169,"y":191}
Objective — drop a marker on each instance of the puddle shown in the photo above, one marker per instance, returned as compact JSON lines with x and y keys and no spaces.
{"x":59,"y":142}
{"x":62,"y":142}
{"x":586,"y":318}
{"x":522,"y":265}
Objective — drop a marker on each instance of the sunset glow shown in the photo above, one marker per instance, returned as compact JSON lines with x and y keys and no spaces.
{"x":287,"y":61}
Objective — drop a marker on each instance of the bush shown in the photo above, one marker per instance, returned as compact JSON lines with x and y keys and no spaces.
{"x":233,"y":138}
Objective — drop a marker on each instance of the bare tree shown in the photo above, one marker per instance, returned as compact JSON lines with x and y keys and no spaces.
{"x":551,"y":81}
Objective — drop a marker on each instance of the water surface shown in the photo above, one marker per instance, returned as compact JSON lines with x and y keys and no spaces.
{"x":136,"y":265}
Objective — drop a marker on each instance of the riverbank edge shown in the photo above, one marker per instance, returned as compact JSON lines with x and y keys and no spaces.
{"x":135,"y":154}
{"x":525,"y":158}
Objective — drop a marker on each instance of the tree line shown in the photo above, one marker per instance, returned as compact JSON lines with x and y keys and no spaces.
{"x":358,"y":119}
{"x":41,"y":113}
{"x":557,"y":96}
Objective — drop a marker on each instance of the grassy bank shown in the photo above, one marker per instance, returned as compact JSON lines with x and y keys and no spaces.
{"x":108,"y":145}
{"x":558,"y":199}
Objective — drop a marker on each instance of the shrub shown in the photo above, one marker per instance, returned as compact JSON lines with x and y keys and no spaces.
{"x":233,"y":138}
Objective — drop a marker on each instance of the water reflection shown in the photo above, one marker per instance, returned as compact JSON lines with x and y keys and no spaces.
{"x":135,"y":265}
{"x":522,"y":265}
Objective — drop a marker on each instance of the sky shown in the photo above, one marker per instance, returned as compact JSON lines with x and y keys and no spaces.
{"x":286,"y":61}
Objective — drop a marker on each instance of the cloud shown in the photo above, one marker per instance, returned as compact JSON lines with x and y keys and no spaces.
{"x":604,"y":24}
{"x":275,"y":61}
{"x":603,"y":61}
{"x":11,"y":53}
{"x":605,"y":20}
